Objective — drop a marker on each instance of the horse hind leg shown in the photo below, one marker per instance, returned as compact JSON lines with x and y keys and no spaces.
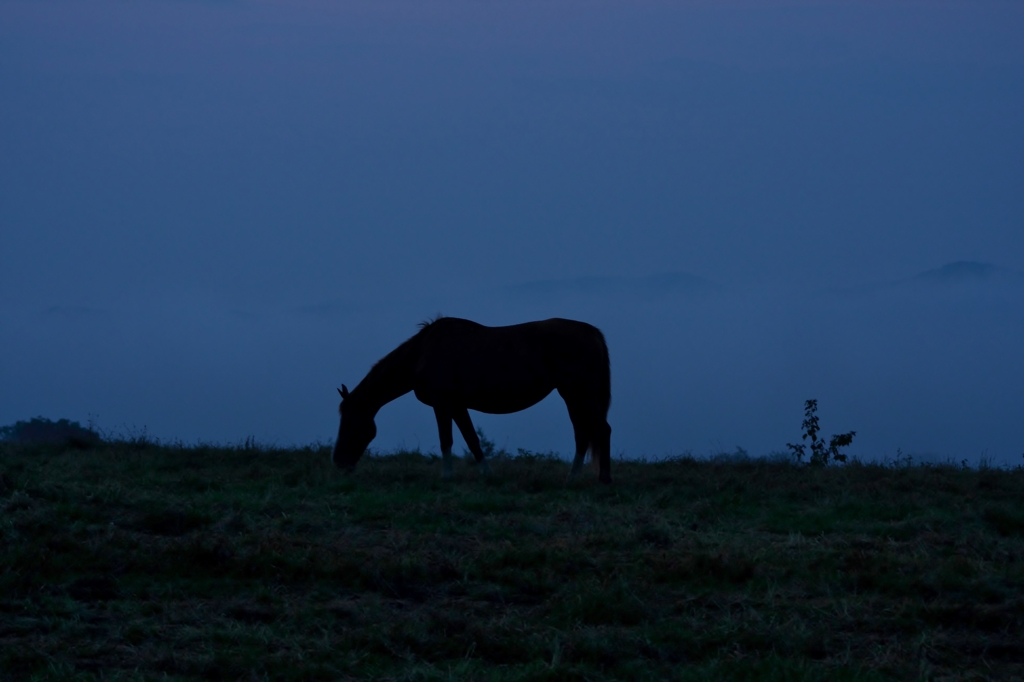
{"x":598,"y":441}
{"x":592,"y":434}
{"x":582,"y":445}
{"x":602,"y":450}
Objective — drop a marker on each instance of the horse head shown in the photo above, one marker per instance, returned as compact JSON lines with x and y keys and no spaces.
{"x":355,"y":432}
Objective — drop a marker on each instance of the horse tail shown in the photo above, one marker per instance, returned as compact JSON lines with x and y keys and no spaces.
{"x":604,"y":391}
{"x":602,"y":397}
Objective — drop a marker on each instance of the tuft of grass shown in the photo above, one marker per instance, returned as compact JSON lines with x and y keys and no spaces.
{"x":140,"y":560}
{"x":1006,"y":520}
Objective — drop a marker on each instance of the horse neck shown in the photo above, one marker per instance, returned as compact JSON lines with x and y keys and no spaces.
{"x":389,"y":379}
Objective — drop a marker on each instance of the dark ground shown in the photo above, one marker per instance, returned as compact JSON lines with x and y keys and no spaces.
{"x":133,"y":561}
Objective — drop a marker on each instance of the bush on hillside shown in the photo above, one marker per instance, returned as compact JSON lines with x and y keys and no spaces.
{"x":41,"y":431}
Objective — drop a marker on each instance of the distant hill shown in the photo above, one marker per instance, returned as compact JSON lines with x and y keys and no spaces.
{"x":650,"y":286}
{"x":966,"y":273}
{"x":960,"y":271}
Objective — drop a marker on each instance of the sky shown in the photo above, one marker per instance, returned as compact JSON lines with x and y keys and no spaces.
{"x":213,"y":213}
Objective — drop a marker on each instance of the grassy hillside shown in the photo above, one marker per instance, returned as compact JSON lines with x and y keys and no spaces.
{"x":136,"y":561}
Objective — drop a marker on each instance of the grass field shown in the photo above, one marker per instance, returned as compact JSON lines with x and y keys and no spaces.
{"x":133,"y":561}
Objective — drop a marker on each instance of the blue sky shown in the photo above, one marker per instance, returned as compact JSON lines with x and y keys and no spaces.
{"x":213,"y":213}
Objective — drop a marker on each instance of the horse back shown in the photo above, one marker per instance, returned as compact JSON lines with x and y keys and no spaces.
{"x":505,"y":367}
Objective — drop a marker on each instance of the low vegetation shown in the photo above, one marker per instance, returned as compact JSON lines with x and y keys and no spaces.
{"x":45,"y":431}
{"x":137,"y":561}
{"x":821,"y":454}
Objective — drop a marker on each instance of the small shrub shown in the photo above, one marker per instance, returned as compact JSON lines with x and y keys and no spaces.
{"x":820,"y":454}
{"x":487,"y":446}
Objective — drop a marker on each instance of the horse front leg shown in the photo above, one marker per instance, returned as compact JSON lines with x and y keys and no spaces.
{"x":465,"y":424}
{"x":444,"y":431}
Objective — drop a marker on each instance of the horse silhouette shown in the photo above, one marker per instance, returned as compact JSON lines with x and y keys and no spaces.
{"x":456,"y":365}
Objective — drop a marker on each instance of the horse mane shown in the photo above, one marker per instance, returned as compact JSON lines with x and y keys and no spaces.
{"x":399,"y":355}
{"x":428,"y":322}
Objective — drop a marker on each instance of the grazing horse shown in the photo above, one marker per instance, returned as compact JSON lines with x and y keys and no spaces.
{"x":456,"y":365}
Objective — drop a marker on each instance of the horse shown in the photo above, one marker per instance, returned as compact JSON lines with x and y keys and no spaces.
{"x":456,"y":365}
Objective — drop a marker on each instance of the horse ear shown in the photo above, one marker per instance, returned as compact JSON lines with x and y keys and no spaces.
{"x":343,"y":391}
